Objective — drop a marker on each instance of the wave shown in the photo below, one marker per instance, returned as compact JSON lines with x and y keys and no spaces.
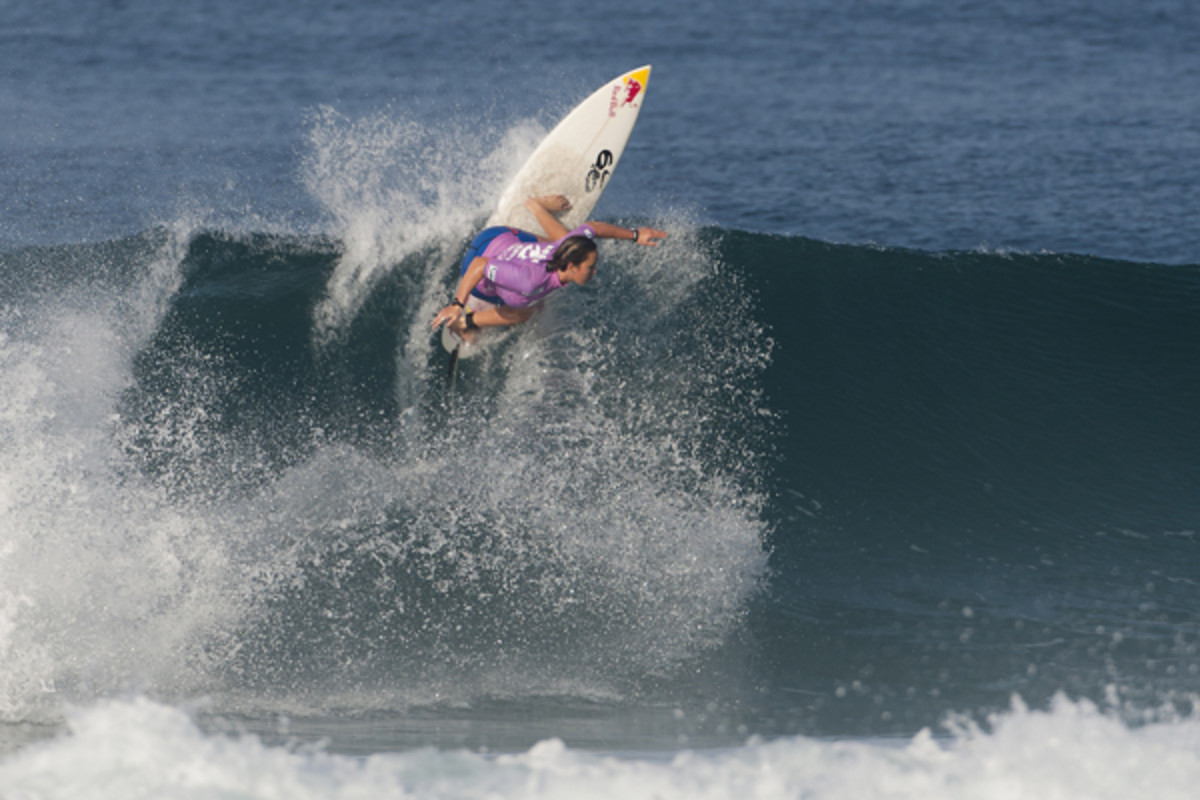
{"x":974,"y":385}
{"x":245,"y":510}
{"x":988,"y":477}
{"x":721,"y":471}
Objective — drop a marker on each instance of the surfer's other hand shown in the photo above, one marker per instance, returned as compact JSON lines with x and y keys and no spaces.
{"x":448,"y":314}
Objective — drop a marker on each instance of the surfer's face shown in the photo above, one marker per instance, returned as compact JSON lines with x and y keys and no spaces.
{"x":583,"y":272}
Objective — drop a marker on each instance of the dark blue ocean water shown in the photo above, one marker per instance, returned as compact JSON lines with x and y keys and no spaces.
{"x":899,"y":427}
{"x":1066,"y":127}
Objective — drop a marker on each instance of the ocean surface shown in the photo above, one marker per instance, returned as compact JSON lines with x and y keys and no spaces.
{"x":878,"y":479}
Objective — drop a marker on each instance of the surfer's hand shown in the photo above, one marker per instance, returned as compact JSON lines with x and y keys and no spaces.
{"x":448,"y":314}
{"x":650,"y":237}
{"x":554,"y":203}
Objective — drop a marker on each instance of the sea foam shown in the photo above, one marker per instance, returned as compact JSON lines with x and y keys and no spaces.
{"x":136,"y":748}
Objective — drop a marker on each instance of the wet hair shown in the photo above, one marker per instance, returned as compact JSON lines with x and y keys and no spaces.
{"x":574,"y":250}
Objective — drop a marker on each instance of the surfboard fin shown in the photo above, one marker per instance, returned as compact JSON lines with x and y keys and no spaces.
{"x":452,"y":370}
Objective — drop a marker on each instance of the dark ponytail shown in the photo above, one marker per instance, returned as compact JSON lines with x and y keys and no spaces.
{"x":573,"y":250}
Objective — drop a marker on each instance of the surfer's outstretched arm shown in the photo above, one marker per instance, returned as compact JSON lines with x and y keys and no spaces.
{"x":544,"y":208}
{"x":644,"y":236}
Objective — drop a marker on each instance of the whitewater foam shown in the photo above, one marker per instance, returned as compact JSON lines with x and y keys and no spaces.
{"x":585,"y":518}
{"x":136,"y":748}
{"x":103,"y":581}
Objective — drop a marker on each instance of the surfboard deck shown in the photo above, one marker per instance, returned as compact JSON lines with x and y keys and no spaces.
{"x":576,"y":159}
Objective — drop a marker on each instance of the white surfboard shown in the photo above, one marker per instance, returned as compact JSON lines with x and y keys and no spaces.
{"x":578,"y":157}
{"x":576,"y":160}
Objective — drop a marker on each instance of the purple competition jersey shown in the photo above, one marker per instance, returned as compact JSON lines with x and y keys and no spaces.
{"x":516,"y":271}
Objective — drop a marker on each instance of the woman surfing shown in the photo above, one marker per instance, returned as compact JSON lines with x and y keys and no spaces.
{"x":507,"y":272}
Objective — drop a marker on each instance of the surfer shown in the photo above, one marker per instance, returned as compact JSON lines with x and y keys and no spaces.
{"x":507,"y":272}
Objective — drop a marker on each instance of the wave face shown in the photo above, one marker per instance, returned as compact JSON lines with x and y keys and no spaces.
{"x":844,"y":490}
{"x":984,"y":386}
{"x":988,"y":477}
{"x":202,"y":495}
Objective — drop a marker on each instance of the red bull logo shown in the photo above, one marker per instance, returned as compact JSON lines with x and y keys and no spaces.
{"x":628,"y":91}
{"x":632,"y":89}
